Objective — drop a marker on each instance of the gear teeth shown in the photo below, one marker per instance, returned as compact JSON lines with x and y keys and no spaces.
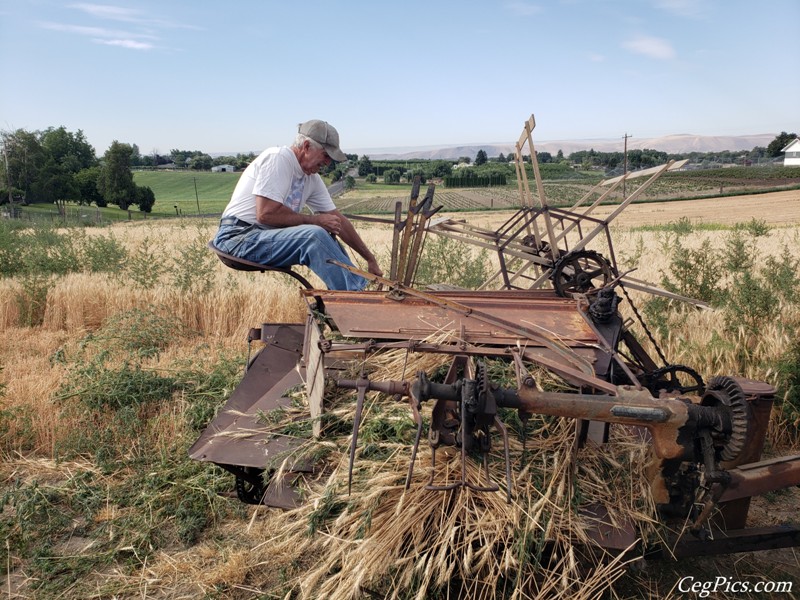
{"x":734,"y":398}
{"x":564,"y":287}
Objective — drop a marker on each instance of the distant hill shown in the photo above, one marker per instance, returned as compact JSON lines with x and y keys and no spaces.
{"x":671,"y":144}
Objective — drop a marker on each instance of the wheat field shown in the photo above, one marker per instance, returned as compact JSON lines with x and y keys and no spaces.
{"x":258,"y":552}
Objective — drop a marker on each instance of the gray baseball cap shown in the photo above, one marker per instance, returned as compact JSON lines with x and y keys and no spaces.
{"x":325,"y":134}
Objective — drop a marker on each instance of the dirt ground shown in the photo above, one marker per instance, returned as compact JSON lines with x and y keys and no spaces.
{"x":776,"y":208}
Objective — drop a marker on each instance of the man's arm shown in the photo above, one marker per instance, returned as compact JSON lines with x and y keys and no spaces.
{"x":350,"y":237}
{"x":275,"y":214}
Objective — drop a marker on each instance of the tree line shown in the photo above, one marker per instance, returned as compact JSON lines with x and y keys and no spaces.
{"x":56,"y":165}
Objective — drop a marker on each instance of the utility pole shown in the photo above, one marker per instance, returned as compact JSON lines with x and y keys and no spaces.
{"x":196,"y":196}
{"x":625,"y":167}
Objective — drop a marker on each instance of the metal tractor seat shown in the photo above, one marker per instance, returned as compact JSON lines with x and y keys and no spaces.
{"x":240,"y":264}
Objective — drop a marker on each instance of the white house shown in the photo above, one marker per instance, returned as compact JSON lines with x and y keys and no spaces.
{"x":223,"y":169}
{"x":791,"y":154}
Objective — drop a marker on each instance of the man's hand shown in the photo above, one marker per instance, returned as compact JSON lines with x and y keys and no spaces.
{"x":329,"y":222}
{"x":372,"y":267}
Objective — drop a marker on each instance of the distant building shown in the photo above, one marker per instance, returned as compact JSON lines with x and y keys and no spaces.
{"x":791,"y":154}
{"x":223,"y":169}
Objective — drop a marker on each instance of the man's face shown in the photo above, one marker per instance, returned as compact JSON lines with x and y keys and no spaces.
{"x":312,"y":159}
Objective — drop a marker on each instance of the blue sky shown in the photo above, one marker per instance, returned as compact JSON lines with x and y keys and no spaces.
{"x":238,"y":76}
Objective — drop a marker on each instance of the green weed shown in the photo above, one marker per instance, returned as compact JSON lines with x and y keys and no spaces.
{"x":789,"y":370}
{"x":750,"y":303}
{"x":782,"y":276}
{"x":145,"y":265}
{"x":101,"y":253}
{"x":135,"y":333}
{"x":696,"y":273}
{"x":193,"y":269}
{"x":137,"y":497}
{"x":445,"y":260}
{"x":754,"y":227}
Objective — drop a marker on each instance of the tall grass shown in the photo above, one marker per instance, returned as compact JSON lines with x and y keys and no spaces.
{"x":120,"y":344}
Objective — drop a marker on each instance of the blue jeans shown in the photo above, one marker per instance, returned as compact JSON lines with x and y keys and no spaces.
{"x":308,"y":245}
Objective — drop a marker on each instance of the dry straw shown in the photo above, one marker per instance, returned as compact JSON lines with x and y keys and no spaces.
{"x":383,"y":540}
{"x":386,"y":541}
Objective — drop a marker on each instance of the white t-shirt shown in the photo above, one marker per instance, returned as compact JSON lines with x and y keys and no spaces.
{"x":276,"y":174}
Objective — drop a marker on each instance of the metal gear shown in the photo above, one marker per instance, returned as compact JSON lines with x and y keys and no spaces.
{"x":250,"y":485}
{"x":725,"y":391}
{"x":581,"y":271}
{"x":666,"y":379}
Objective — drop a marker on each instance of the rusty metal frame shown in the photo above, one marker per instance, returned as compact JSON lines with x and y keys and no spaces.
{"x":512,"y":240}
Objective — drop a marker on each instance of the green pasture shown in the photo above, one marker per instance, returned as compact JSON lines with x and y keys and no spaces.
{"x":192,"y":193}
{"x":187,"y":190}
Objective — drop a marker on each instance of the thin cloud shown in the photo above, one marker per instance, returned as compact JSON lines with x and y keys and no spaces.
{"x":524,"y":9}
{"x":114,"y":13}
{"x":594,"y":57}
{"x":682,"y":8}
{"x":132,"y":44}
{"x":140,"y":32}
{"x":128,"y":15}
{"x":652,"y":47}
{"x":95,"y":32}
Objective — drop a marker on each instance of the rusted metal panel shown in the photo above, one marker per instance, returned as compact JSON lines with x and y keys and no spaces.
{"x":604,"y":532}
{"x":762,"y":477}
{"x":281,"y":492}
{"x":234,"y":436}
{"x":374,"y":315}
{"x":735,"y":541}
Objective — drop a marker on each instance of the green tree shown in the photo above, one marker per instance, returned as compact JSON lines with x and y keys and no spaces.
{"x":86,"y":181}
{"x":779,"y":143}
{"x":70,"y":151}
{"x":23,"y":158}
{"x":349,"y":182}
{"x":201,"y":162}
{"x":364,"y":166}
{"x":145,"y":198}
{"x":53,"y":183}
{"x":391,"y":176}
{"x":136,"y":157}
{"x":480,"y":158}
{"x":181,"y":158}
{"x":116,"y":180}
{"x":439,"y":168}
{"x":417,"y":173}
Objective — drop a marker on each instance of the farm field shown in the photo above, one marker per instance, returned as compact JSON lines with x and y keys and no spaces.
{"x":193,"y":194}
{"x":776,"y":208}
{"x":110,"y":369}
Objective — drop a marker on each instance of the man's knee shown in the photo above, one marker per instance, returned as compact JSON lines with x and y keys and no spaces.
{"x":318,"y":237}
